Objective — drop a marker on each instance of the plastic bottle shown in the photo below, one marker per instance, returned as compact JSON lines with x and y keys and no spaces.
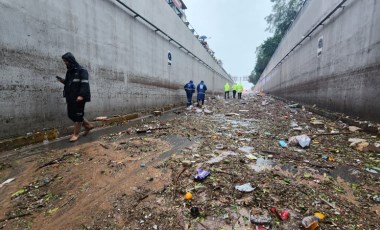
{"x":46,"y":139}
{"x":310,"y":222}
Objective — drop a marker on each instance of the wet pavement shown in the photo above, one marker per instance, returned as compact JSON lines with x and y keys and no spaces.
{"x":300,"y":169}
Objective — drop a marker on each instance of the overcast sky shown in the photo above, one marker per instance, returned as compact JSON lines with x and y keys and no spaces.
{"x":236,"y":28}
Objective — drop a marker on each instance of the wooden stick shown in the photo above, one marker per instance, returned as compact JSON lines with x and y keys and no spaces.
{"x":175,"y":182}
{"x":330,"y":204}
{"x":321,"y":166}
{"x":270,"y":152}
{"x":55,"y":161}
{"x":319,"y":134}
{"x":16,"y":216}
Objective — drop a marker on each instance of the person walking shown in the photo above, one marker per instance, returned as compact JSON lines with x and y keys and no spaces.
{"x":234,"y":87}
{"x":77,"y":93}
{"x":239,"y":89}
{"x":227,"y":91}
{"x":201,"y":93}
{"x":190,"y":89}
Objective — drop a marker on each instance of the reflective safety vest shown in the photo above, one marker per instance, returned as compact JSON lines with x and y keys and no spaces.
{"x":227,"y":87}
{"x":240,"y":88}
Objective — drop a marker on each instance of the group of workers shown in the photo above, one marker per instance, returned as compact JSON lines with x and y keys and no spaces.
{"x":236,"y":87}
{"x":201,"y":92}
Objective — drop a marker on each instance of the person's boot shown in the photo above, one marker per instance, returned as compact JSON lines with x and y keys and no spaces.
{"x":88,"y":126}
{"x":75,"y":135}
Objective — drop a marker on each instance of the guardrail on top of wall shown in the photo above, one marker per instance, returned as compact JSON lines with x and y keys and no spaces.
{"x":170,"y":39}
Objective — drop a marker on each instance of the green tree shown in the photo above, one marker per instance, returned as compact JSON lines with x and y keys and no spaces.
{"x":283,"y":14}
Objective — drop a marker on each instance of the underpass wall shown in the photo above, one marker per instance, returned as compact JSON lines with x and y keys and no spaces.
{"x":125,"y":56}
{"x":345,"y":76}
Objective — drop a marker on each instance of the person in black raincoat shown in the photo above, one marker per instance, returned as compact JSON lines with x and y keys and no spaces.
{"x":77,"y":93}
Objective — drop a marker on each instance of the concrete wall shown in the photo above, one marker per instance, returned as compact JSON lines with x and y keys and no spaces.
{"x":345,"y":77}
{"x":125,"y":57}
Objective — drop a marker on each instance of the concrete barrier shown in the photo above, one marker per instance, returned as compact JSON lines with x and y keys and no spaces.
{"x":337,"y":66}
{"x":126,"y":59}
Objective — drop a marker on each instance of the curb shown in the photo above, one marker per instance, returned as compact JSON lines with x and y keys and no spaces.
{"x":52,"y":134}
{"x":38,"y":137}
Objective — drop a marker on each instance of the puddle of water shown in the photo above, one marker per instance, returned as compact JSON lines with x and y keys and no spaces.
{"x":221,"y":157}
{"x":247,"y":149}
{"x":178,"y":143}
{"x":290,"y":168}
{"x":347,"y":173}
{"x":262,"y":164}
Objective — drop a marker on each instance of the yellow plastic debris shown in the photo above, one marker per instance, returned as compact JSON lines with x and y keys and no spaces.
{"x":188,"y":196}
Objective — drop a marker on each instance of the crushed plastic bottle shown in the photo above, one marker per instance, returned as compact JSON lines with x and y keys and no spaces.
{"x":310,"y":222}
{"x":46,"y":139}
{"x":259,"y":217}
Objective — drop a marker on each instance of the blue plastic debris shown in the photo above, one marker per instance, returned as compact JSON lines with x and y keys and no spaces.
{"x":283,"y":143}
{"x":201,"y":175}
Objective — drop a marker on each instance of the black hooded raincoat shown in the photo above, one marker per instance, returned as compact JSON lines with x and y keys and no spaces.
{"x":76,"y":81}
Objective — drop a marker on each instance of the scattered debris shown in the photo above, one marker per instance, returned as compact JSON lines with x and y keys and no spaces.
{"x":301,"y":140}
{"x":310,"y":222}
{"x":157,"y":113}
{"x":188,"y":196}
{"x":223,"y":166}
{"x":283,"y":143}
{"x":245,"y":187}
{"x":201,"y":174}
{"x":59,"y":160}
{"x":354,"y":128}
{"x":100,"y":118}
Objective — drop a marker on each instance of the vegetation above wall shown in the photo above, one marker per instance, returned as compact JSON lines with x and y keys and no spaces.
{"x":283,"y":14}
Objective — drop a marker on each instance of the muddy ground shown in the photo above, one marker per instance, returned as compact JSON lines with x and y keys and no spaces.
{"x":138,"y":178}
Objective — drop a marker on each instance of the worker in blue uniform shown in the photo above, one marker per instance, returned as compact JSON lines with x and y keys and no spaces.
{"x":190,"y":89}
{"x":201,"y":89}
